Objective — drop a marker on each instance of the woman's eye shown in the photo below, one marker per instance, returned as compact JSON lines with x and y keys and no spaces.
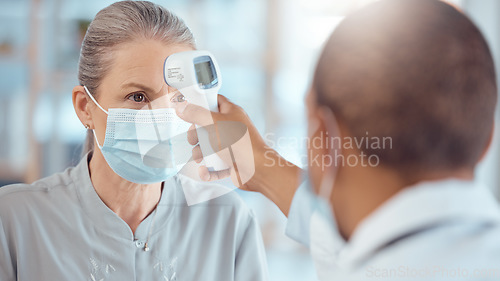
{"x":137,"y":97}
{"x":179,"y":98}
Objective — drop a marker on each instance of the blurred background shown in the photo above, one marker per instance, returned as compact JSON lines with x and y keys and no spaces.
{"x":266,"y":49}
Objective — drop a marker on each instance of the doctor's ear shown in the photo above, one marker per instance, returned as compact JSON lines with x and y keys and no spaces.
{"x":488,"y":145}
{"x":322,"y":128}
{"x":82,"y":103}
{"x":329,"y":123}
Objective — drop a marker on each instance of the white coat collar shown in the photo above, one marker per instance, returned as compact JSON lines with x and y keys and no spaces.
{"x":415,"y":209}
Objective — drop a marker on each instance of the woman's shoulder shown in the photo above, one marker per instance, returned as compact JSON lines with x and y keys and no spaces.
{"x":22,"y":195}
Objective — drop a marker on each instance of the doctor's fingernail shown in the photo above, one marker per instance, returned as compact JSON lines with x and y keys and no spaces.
{"x":205,"y":176}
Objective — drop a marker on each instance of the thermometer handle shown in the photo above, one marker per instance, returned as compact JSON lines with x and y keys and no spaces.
{"x":213,"y":104}
{"x":213,"y":162}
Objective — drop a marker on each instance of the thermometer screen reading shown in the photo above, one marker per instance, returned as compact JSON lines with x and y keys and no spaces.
{"x":205,"y":74}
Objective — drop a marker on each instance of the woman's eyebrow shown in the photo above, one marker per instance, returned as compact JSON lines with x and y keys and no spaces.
{"x":138,"y":85}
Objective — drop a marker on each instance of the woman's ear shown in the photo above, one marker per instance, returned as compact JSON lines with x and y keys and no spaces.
{"x":81,"y":104}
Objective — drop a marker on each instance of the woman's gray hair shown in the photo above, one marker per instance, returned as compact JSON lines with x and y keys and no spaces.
{"x":118,"y":23}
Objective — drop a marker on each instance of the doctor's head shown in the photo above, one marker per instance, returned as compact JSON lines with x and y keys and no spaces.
{"x":410,"y":83}
{"x":121,"y":61}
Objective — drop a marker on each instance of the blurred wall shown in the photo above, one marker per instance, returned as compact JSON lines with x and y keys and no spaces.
{"x":267,"y":50}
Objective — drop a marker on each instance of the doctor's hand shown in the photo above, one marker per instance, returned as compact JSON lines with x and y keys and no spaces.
{"x":249,"y":158}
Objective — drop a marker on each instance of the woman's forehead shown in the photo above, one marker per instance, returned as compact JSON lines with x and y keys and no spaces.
{"x":141,"y":62}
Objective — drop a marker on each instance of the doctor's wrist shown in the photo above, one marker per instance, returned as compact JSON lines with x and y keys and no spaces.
{"x":276,"y":178}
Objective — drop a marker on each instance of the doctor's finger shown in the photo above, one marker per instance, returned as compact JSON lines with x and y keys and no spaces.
{"x":195,"y":114}
{"x":197,"y":154}
{"x":192,"y":135}
{"x":207,"y":175}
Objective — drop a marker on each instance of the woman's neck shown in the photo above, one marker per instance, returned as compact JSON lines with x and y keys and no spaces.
{"x":132,"y":202}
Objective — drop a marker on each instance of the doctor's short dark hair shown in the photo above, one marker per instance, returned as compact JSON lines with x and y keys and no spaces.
{"x":418,"y":71}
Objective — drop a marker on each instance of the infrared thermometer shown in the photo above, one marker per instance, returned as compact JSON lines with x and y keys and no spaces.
{"x":196,"y":75}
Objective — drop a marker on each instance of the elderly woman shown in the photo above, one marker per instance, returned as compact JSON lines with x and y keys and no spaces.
{"x":112,"y":217}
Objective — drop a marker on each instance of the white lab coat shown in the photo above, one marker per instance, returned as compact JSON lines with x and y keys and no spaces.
{"x":444,"y":230}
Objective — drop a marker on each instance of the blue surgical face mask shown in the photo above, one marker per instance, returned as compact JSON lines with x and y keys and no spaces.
{"x":144,"y":146}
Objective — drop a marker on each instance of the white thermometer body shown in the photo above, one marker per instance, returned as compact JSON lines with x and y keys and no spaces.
{"x":197,"y":76}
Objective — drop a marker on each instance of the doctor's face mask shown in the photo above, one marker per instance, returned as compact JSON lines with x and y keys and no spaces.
{"x":144,"y":146}
{"x":326,"y":242}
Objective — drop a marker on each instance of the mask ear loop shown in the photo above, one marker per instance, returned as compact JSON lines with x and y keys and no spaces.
{"x":93,"y":99}
{"x":98,"y":105}
{"x":95,"y":137}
